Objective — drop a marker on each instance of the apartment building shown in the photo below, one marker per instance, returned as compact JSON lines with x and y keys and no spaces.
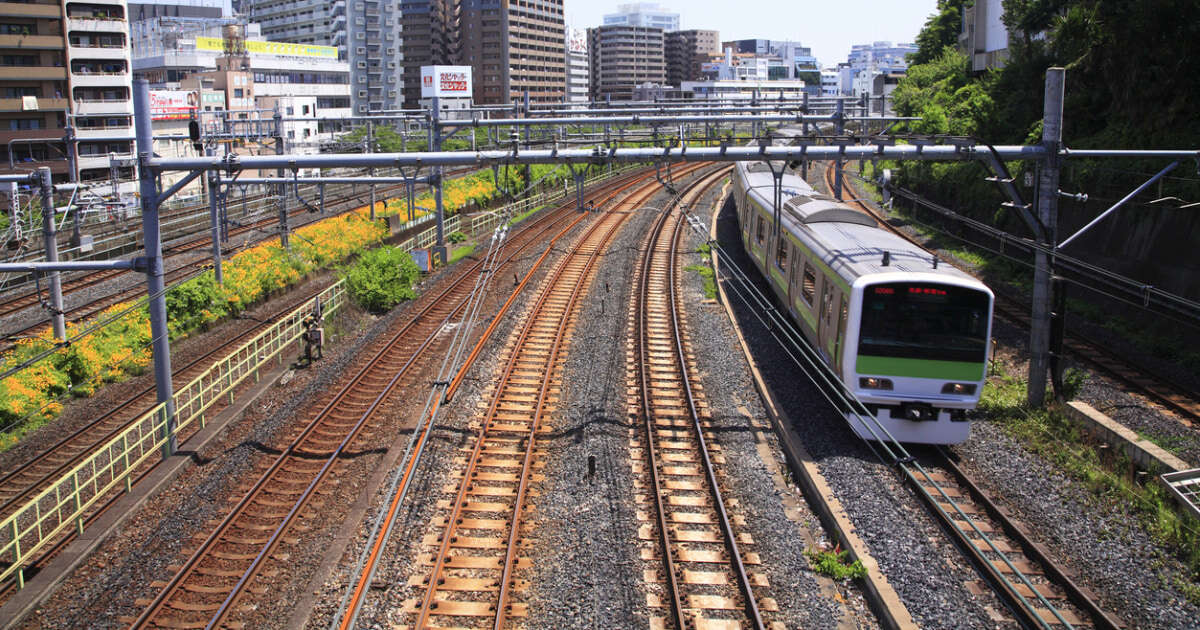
{"x":648,"y":14}
{"x":98,"y":64}
{"x":687,"y":51}
{"x":514,"y":47}
{"x":33,"y":86}
{"x":622,"y":57}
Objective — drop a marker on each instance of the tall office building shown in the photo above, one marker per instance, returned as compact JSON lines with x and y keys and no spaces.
{"x":367,"y":34}
{"x":647,"y":14}
{"x":622,"y":57}
{"x":514,"y":47}
{"x":687,"y":51}
{"x":429,"y":29}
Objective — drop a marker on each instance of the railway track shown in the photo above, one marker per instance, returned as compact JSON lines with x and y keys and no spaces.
{"x":705,"y":577}
{"x":1038,"y":592}
{"x":1161,"y":390}
{"x":224,"y":568}
{"x":470,"y":572}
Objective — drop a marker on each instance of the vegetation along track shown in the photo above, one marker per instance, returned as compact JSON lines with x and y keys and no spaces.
{"x":704,"y":580}
{"x":49,"y":464}
{"x":1158,"y":388}
{"x":470,"y":580}
{"x":21,"y":301}
{"x":227,"y":564}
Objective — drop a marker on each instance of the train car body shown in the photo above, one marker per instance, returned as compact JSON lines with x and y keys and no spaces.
{"x":906,"y":334}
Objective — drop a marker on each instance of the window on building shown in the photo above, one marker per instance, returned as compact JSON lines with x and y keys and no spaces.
{"x":17,"y":124}
{"x":291,"y":111}
{"x":238,"y":92}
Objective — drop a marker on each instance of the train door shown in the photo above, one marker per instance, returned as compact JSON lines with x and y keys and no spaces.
{"x":826,"y":324}
{"x":843,"y":312}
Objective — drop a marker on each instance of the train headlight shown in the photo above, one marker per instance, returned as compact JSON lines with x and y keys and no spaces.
{"x":871,"y":382}
{"x":960,"y":389}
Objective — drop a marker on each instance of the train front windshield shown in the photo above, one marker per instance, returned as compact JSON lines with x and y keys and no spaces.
{"x":924,"y":321}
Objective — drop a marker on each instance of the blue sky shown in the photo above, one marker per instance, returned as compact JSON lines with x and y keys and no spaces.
{"x":829,"y":27}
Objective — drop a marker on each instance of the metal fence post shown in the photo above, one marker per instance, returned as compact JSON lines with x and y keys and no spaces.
{"x":46,"y":184}
{"x":1047,"y":208}
{"x":153,"y":264}
{"x":435,"y":126}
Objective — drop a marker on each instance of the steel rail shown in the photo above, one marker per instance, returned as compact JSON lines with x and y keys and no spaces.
{"x":427,"y":601}
{"x":657,"y":242}
{"x":425,"y":424}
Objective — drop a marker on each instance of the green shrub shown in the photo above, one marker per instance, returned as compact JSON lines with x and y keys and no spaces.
{"x":833,"y":563}
{"x":382,"y":278}
{"x":456,"y":237}
{"x":710,"y":281}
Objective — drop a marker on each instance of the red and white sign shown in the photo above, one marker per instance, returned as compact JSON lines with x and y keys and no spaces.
{"x":446,"y":81}
{"x":172,"y":104}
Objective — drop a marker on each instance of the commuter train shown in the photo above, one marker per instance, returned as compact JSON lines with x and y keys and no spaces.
{"x":906,"y":334}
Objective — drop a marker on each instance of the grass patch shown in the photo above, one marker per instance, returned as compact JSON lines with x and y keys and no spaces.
{"x":704,"y":248}
{"x":833,"y":564}
{"x":710,"y":282}
{"x":524,"y":215}
{"x":460,"y":253}
{"x":1105,"y":474}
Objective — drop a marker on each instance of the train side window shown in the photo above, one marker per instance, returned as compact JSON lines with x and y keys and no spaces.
{"x":808,"y":290}
{"x":781,"y":254}
{"x":761,"y":228}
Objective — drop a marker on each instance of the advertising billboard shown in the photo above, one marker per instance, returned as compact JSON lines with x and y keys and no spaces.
{"x":446,"y":81}
{"x":283,"y":49}
{"x":172,"y":104}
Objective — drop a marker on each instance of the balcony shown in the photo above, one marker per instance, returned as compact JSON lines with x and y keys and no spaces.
{"x":25,"y":73}
{"x":20,"y":9}
{"x":99,"y":161}
{"x":101,"y":79}
{"x":96,"y":107}
{"x":32,"y":42}
{"x":98,"y":52}
{"x":94,"y":133}
{"x":97,"y":25}
{"x":43,"y":105}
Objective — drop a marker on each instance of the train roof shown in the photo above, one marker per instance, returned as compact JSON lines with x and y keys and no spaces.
{"x":850,"y":241}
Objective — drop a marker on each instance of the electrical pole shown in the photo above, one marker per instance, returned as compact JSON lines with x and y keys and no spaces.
{"x":435,"y":134}
{"x":371,"y":171}
{"x":1047,"y":212}
{"x":840,"y":122}
{"x":56,"y":301}
{"x":153,"y":262}
{"x":214,"y":187}
{"x":283,"y":211}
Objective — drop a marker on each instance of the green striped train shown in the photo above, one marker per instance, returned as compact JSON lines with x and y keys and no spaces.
{"x":907,"y":335}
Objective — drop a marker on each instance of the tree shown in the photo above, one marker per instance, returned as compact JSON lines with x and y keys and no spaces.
{"x":941,"y":30}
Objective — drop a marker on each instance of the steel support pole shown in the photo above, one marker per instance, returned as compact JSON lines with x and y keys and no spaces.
{"x":435,"y":125}
{"x":371,"y":171}
{"x":1047,"y":212}
{"x":155,"y":286}
{"x":804,"y":131}
{"x":840,"y":124}
{"x":214,"y":187}
{"x":56,"y":301}
{"x":281,"y":173}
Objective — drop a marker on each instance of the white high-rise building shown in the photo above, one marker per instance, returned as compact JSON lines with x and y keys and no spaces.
{"x":644,"y":14}
{"x":577,"y":66}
